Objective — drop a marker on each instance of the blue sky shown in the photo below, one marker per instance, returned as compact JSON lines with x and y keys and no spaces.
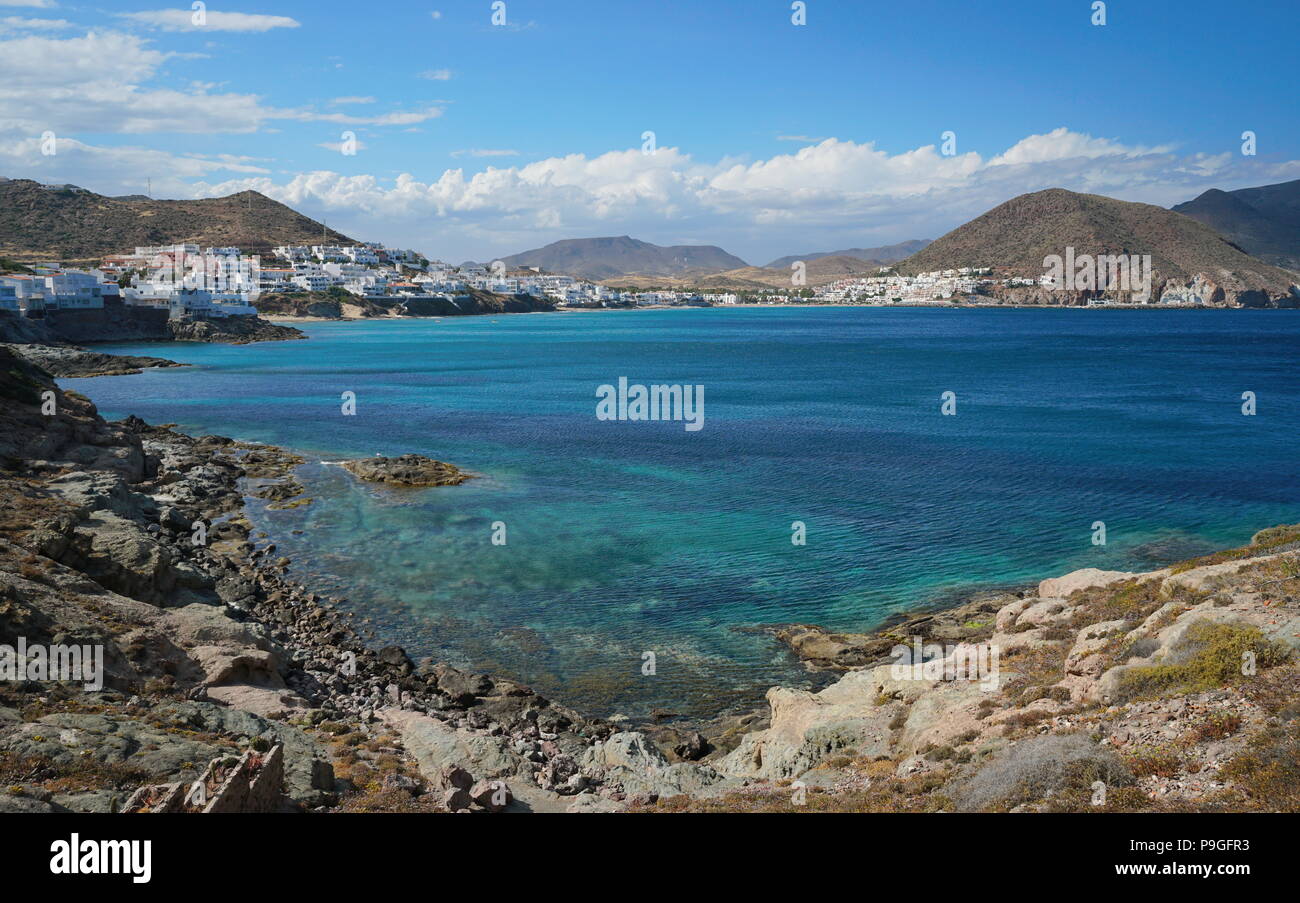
{"x":475,"y":139}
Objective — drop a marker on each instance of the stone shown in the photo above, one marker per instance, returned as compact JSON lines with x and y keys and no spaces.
{"x":694,"y":747}
{"x":494,"y":796}
{"x":1085,"y":578}
{"x":454,"y":776}
{"x":404,"y":783}
{"x":406,"y":470}
{"x":456,"y":799}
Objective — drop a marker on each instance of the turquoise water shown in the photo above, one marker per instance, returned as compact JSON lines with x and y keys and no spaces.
{"x":628,"y":537}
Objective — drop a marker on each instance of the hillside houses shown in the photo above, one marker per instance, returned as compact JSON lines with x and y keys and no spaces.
{"x":187,"y":280}
{"x":50,"y":287}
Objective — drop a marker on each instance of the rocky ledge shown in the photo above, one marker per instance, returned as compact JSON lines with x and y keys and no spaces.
{"x":67,"y":361}
{"x":406,"y":470}
{"x":827,"y":650}
{"x":1168,"y":690}
{"x":231,"y":330}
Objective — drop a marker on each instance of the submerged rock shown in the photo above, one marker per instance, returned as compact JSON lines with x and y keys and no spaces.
{"x":406,"y":470}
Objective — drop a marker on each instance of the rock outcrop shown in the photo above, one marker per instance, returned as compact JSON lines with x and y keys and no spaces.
{"x":1162,"y":688}
{"x":406,"y":470}
{"x":231,"y":330}
{"x":66,"y":361}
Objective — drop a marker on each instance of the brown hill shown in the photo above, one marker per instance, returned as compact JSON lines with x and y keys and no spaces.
{"x":1016,"y":236}
{"x":882,"y":256}
{"x":611,"y":257}
{"x":72,"y":224}
{"x":747,"y":279}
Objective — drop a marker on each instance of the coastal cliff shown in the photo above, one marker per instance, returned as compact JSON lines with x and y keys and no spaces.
{"x":122,"y":323}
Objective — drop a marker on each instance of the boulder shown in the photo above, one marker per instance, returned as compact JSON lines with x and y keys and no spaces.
{"x":1086,"y":578}
{"x":494,"y":796}
{"x":435,"y":745}
{"x":406,"y":470}
{"x":456,"y":799}
{"x":628,"y":759}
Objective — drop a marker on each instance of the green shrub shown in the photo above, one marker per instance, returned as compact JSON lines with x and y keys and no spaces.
{"x":1208,"y":656}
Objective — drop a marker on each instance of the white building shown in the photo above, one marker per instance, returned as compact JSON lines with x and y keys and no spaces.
{"x":203,"y":304}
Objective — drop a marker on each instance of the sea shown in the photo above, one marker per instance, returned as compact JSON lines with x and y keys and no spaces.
{"x":850,"y":463}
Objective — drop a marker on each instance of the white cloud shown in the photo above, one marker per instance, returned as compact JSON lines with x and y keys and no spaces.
{"x":435,"y":14}
{"x":337,"y":146}
{"x":211,"y":20}
{"x":398,"y":117}
{"x":484,"y":152}
{"x":119,"y":170}
{"x":833,"y":194}
{"x":18,"y":23}
{"x":82,"y":94}
{"x":347,"y":101}
{"x":1063,"y":144}
{"x":30,"y":4}
{"x":436,"y":75}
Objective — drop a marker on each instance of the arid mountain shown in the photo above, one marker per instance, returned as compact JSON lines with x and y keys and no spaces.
{"x":818,"y":272}
{"x":878,"y":256}
{"x":1263,"y":221}
{"x":72,"y":224}
{"x":604,"y":258}
{"x":1016,"y":236}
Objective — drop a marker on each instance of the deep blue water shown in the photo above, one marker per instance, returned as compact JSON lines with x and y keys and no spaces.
{"x":631,"y":537}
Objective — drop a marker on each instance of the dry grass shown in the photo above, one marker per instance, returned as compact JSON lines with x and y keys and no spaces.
{"x":874,"y":789}
{"x":58,"y":778}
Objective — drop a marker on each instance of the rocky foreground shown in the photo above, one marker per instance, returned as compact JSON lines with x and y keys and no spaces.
{"x":1173,"y":690}
{"x":133,"y":537}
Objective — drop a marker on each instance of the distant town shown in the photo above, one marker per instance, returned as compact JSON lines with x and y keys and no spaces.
{"x":192,"y":282}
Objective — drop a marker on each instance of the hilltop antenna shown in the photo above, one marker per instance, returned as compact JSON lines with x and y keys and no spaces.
{"x":149,"y":190}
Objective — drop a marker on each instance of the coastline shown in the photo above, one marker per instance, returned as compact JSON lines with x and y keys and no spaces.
{"x":249,"y":641}
{"x":245,"y":637}
{"x":290,"y":320}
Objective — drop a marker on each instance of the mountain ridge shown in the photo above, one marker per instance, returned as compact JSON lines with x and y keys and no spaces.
{"x":881,"y":256}
{"x":612,"y":256}
{"x":1015,"y":237}
{"x":1263,"y":221}
{"x":71,"y":223}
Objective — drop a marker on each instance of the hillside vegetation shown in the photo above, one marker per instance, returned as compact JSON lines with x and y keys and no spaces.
{"x":72,"y":224}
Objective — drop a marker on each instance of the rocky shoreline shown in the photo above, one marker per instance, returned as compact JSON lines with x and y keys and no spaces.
{"x":99,"y":542}
{"x":69,"y":361}
{"x":341,"y":306}
{"x":134,"y":537}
